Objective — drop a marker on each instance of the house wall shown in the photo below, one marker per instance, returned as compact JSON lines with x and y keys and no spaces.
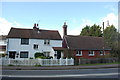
{"x":3,"y":44}
{"x":85,"y":54}
{"x":14,"y":44}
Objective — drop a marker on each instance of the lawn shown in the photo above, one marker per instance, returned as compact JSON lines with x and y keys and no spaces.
{"x":99,"y":64}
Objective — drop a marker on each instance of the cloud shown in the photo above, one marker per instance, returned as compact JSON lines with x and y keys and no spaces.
{"x":4,"y":26}
{"x":112,"y":18}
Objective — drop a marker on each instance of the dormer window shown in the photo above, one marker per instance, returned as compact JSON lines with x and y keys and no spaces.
{"x":24,"y":41}
{"x":47,"y":42}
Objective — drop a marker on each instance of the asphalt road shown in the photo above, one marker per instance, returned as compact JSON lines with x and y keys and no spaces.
{"x":60,"y":74}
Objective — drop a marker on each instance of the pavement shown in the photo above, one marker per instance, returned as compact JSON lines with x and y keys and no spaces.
{"x":58,"y":67}
{"x":60,"y":74}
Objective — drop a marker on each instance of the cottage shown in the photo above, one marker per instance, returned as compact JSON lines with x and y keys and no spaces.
{"x":83,"y":46}
{"x":24,"y":43}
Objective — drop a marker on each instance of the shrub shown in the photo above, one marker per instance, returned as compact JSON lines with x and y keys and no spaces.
{"x":42,"y":57}
{"x":2,"y":55}
{"x":37,"y":65}
{"x":38,"y":54}
{"x":10,"y":65}
{"x":31,"y":57}
{"x":50,"y":57}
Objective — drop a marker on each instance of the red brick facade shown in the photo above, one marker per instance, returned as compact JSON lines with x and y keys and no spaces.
{"x":85,"y":54}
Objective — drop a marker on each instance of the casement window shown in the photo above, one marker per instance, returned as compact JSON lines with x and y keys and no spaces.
{"x":101,"y":53}
{"x":79,"y":53}
{"x":46,"y":42}
{"x":24,"y":54}
{"x":24,"y":41}
{"x":91,"y":53}
{"x":35,"y":46}
{"x":47,"y":54}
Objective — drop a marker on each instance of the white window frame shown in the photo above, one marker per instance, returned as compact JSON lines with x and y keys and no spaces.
{"x":101,"y":54}
{"x":79,"y":53}
{"x":46,"y":42}
{"x":23,"y":52}
{"x":93,"y":53}
{"x":46,"y":54}
{"x":35,"y":47}
{"x":24,"y":41}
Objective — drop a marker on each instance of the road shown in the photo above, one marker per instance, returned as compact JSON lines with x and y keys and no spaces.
{"x":60,"y":74}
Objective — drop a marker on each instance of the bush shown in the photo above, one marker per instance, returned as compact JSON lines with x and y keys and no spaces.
{"x":31,"y":57}
{"x":10,"y":65}
{"x":38,"y":54}
{"x":50,"y":57}
{"x":42,"y":57}
{"x":2,"y":55}
{"x":37,"y":65}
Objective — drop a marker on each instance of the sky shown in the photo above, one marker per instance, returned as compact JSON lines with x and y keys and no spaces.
{"x":52,"y":15}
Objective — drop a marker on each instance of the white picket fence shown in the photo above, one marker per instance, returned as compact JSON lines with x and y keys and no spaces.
{"x":42,"y":62}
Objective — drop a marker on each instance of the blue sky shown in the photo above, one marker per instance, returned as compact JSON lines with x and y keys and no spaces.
{"x":52,"y":15}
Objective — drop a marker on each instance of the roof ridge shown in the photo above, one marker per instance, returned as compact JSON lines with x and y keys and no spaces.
{"x":32,"y":29}
{"x":82,"y":36}
{"x":48,"y":30}
{"x":21,"y":28}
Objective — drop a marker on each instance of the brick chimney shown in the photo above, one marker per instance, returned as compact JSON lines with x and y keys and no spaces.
{"x":35,"y":27}
{"x":64,"y":29}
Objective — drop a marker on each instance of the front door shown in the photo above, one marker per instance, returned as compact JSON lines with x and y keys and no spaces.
{"x":58,"y":54}
{"x":12,"y":54}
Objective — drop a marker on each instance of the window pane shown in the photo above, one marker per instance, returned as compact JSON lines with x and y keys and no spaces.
{"x":24,"y":41}
{"x":47,"y":42}
{"x":23,"y":54}
{"x":44,"y":41}
{"x":35,"y":46}
{"x":47,"y":54}
{"x":91,"y":53}
{"x":79,"y":53}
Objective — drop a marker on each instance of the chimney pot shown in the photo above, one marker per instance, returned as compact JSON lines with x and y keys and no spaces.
{"x":37,"y":24}
{"x":64,"y":29}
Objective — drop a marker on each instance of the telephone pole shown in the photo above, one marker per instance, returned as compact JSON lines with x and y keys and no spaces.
{"x":103,"y":41}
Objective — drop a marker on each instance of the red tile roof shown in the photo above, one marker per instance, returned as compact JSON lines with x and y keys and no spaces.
{"x":85,"y":42}
{"x":34,"y":34}
{"x":58,"y":48}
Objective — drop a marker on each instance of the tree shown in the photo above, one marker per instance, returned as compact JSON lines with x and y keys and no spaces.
{"x":111,"y":37}
{"x":110,"y":34}
{"x":94,"y":30}
{"x":85,"y":31}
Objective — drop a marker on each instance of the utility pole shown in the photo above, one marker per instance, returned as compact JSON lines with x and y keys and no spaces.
{"x":103,"y":41}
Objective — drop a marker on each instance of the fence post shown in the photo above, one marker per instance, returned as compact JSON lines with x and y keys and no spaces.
{"x":9,"y":61}
{"x":79,"y":61}
{"x":41,"y":62}
{"x":66,"y":61}
{"x":60,"y":61}
{"x":72,"y":61}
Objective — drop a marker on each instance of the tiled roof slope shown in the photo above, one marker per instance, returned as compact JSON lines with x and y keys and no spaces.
{"x":85,"y":42}
{"x":34,"y":34}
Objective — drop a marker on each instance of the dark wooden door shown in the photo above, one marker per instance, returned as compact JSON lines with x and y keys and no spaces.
{"x":12,"y":55}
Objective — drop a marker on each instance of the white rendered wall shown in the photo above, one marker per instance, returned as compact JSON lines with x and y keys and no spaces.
{"x":14,"y":44}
